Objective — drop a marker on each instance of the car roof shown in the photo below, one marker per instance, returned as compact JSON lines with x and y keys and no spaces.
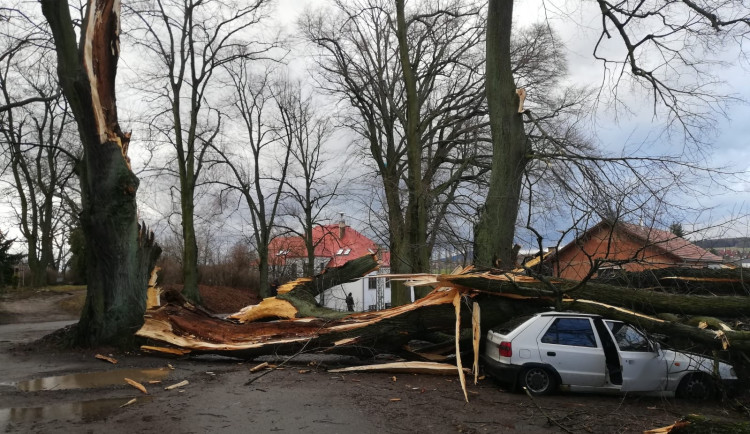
{"x":555,"y":313}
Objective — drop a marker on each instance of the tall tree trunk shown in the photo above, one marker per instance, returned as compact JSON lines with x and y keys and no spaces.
{"x":120,"y":254}
{"x":190,"y":247}
{"x":494,"y":233}
{"x":416,"y":208}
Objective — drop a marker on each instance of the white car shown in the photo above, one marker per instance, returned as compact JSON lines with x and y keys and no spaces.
{"x":588,"y":353}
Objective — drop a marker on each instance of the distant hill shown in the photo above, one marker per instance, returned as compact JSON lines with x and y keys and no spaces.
{"x":719,"y":243}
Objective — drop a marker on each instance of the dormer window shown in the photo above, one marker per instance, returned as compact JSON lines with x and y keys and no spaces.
{"x":347,"y":251}
{"x":283,"y":252}
{"x":340,"y":252}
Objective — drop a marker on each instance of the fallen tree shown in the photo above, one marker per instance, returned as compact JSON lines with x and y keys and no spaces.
{"x":292,"y":320}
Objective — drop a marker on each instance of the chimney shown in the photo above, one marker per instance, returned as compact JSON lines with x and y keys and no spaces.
{"x":551,"y":249}
{"x":342,"y":227}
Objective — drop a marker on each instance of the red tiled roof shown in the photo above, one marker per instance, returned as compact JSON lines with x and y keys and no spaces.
{"x":328,"y":244}
{"x":670,"y":243}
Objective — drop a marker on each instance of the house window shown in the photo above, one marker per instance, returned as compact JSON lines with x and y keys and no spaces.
{"x":570,"y":331}
{"x":388,"y":283}
{"x":372,"y":283}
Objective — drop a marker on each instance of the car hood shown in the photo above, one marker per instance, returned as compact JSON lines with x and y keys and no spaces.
{"x":678,"y":361}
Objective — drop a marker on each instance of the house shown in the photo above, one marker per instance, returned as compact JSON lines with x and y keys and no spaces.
{"x":335,"y":245}
{"x":628,"y":247}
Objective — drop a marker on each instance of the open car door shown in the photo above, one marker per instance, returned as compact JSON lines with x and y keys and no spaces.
{"x":643,"y":368}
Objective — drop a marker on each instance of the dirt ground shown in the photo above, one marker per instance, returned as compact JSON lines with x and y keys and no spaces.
{"x":298,"y":397}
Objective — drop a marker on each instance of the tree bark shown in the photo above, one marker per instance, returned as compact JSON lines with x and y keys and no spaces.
{"x":120,"y":253}
{"x":494,"y":233}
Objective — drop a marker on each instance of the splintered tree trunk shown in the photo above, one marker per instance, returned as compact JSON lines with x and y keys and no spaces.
{"x":120,"y":254}
{"x":302,"y":326}
{"x":494,"y":233}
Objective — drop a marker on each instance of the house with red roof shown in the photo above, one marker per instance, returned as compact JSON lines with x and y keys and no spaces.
{"x":335,"y":245}
{"x":628,"y":247}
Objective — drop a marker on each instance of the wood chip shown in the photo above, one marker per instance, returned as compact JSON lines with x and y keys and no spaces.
{"x":169,"y":365}
{"x":395,"y":399}
{"x":176,"y":385}
{"x":137,"y":385}
{"x":154,"y":381}
{"x":457,"y":305}
{"x":106,"y":359}
{"x":132,"y":401}
{"x":257,"y":368}
{"x":303,"y":371}
{"x":166,"y":350}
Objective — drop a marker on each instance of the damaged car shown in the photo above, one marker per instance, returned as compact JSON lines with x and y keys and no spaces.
{"x":588,"y":353}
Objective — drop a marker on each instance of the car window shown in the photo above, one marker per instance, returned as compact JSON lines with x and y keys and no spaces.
{"x":510,"y":325}
{"x":628,"y":338}
{"x":570,"y":331}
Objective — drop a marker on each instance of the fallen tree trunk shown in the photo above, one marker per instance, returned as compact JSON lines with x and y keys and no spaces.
{"x":500,"y":296}
{"x":703,"y":281}
{"x":645,"y":301}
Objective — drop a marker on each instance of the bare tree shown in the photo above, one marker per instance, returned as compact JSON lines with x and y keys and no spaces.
{"x":413,"y":79}
{"x":314,"y":178}
{"x":258,"y":161}
{"x":38,"y":154}
{"x":191,"y":41}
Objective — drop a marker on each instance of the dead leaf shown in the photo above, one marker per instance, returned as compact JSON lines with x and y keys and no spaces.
{"x":393,"y":378}
{"x":176,"y":385}
{"x":395,"y":399}
{"x":132,"y":401}
{"x":106,"y":359}
{"x":303,"y":371}
{"x":137,"y":385}
{"x":169,"y":365}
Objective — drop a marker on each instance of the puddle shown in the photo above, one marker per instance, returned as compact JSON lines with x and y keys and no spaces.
{"x":91,"y":380}
{"x":81,"y":410}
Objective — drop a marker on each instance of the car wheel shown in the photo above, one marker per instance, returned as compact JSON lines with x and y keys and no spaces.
{"x":538,"y":381}
{"x":697,"y":387}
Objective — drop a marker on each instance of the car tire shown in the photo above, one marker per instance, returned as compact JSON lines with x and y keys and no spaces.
{"x":696,"y":387}
{"x":538,"y":381}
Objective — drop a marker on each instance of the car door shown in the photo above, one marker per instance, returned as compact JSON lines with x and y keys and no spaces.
{"x":572,"y":348}
{"x":643,"y":369}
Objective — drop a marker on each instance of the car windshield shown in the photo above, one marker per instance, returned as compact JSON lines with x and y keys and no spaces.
{"x":628,"y":338}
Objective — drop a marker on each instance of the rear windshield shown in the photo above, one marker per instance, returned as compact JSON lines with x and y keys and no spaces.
{"x":511,"y":324}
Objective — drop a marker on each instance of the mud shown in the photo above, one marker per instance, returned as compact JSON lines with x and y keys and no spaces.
{"x":296,"y":398}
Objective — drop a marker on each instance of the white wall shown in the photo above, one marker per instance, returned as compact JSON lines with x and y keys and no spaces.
{"x":335,"y":298}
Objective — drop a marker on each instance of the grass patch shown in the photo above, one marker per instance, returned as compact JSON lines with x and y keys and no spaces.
{"x":13,"y":293}
{"x":73,"y":305}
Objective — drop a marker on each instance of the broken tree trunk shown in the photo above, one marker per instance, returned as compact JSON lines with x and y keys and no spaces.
{"x":120,"y":253}
{"x":500,"y":296}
